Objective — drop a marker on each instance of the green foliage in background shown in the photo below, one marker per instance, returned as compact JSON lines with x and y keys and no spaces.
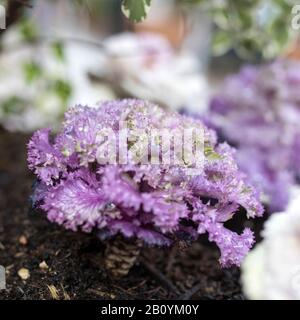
{"x":136,"y":10}
{"x":32,"y":71}
{"x":251,"y":27}
{"x":256,"y":28}
{"x":27,"y":29}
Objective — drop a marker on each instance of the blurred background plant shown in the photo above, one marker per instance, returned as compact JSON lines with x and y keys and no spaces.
{"x":43,"y":68}
{"x":262,"y":103}
{"x":55,"y":45}
{"x":272,"y":270}
{"x":53,"y":55}
{"x":34,"y":75}
{"x":253,"y":28}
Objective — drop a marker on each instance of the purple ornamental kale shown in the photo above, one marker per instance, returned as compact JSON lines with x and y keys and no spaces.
{"x":156,"y":203}
{"x":258,"y":111}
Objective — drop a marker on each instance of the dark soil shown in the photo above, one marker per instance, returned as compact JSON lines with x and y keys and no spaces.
{"x":75,"y":269}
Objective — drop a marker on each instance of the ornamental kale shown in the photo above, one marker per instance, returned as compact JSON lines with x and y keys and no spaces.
{"x":258,"y":110}
{"x":157,"y":204}
{"x":146,"y":66}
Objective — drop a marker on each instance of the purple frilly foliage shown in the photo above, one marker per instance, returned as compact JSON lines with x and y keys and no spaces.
{"x":159,"y":204}
{"x":258,"y":111}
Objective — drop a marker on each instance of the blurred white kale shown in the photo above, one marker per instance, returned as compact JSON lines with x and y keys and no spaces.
{"x":272,"y":270}
{"x":146,"y":66}
{"x":41,"y":76}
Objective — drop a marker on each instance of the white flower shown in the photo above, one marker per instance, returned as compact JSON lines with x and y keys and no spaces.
{"x":145,"y":66}
{"x":272,"y":269}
